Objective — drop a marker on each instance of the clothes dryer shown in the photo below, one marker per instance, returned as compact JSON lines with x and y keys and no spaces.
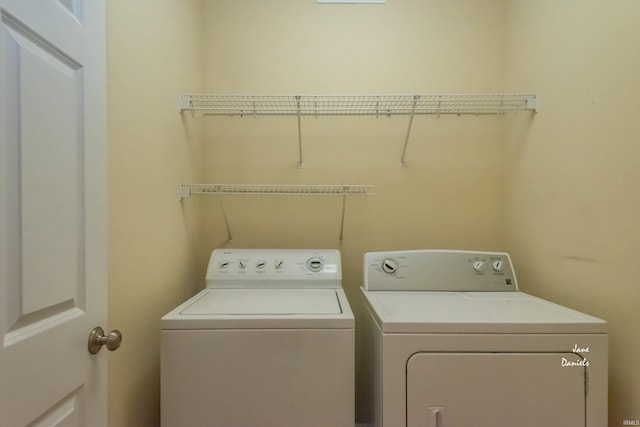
{"x":269,"y":342}
{"x":450,"y":341}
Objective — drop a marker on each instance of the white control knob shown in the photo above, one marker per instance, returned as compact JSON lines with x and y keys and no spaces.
{"x":261,"y":264}
{"x":390,"y":266}
{"x":242,"y":264}
{"x":498,"y":265}
{"x":223,"y":264}
{"x":315,"y":264}
{"x":478,"y":266}
{"x":279,"y":264}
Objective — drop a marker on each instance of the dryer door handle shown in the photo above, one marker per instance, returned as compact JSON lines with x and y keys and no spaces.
{"x":437,"y":415}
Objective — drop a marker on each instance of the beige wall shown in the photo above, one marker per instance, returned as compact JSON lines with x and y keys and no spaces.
{"x":573,"y":201}
{"x":154,"y":255}
{"x":449,"y":195}
{"x":557,"y":190}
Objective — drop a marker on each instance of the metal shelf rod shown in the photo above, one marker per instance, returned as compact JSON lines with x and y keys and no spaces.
{"x":344,"y":209}
{"x":406,"y":138}
{"x":226,"y":221}
{"x":300,"y":164}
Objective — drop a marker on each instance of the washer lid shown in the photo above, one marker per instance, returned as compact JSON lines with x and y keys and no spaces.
{"x":265,"y":301}
{"x":475,"y":312}
{"x":262,"y":309}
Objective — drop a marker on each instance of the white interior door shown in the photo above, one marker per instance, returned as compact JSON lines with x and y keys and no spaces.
{"x":52,"y":212}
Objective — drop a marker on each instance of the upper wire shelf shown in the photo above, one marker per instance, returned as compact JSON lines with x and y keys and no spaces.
{"x":357,"y":105}
{"x":370,"y":105}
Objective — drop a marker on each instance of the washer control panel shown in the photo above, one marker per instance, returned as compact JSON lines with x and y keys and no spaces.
{"x":275,"y":268}
{"x":439,"y":270}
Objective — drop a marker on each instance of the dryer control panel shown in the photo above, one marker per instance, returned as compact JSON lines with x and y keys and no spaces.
{"x":439,"y":270}
{"x":274,"y":268}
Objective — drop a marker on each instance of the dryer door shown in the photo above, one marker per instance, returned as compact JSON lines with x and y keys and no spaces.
{"x":496,"y":390}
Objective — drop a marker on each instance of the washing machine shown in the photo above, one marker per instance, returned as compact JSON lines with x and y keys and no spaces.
{"x":450,"y":341}
{"x":269,"y":342}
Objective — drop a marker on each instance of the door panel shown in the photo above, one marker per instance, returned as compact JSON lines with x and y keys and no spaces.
{"x":52,"y":212}
{"x":495,"y":390}
{"x":50,"y":222}
{"x":66,"y":413}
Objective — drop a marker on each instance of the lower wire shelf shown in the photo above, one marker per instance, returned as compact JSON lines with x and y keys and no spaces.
{"x":321,"y":190}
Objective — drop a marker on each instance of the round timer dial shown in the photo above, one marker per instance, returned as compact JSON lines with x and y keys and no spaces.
{"x":478,"y":266}
{"x":390,"y":266}
{"x":315,"y":264}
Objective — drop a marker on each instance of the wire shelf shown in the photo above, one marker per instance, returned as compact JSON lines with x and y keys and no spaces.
{"x":357,"y":105}
{"x":364,"y":105}
{"x":187,"y":190}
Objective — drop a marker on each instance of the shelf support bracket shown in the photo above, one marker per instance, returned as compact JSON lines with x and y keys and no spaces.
{"x":184,"y":191}
{"x":184,"y":103}
{"x":300,"y":164}
{"x":226,"y":221}
{"x":406,"y":138}
{"x":344,"y":209}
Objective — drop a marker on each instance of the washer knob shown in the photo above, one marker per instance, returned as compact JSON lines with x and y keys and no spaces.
{"x":390,"y":266}
{"x":315,"y":264}
{"x":498,"y":265}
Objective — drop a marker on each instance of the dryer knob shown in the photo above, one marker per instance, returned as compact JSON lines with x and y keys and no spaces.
{"x":478,"y":266}
{"x":390,"y":266}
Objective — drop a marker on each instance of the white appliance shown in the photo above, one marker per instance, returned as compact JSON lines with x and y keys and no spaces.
{"x":451,"y":342}
{"x":269,"y":343}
